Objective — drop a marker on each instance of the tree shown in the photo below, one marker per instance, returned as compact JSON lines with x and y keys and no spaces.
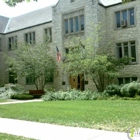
{"x":125,"y":1}
{"x":32,"y":61}
{"x":13,"y":3}
{"x":93,"y":59}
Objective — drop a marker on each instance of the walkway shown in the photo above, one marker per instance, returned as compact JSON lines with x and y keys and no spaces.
{"x":20,"y":101}
{"x":44,"y":131}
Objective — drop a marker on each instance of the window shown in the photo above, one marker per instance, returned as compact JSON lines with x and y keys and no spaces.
{"x":71,"y":25}
{"x":126,"y":80}
{"x":66,"y":26}
{"x":74,"y":22}
{"x":12,"y":77}
{"x":0,"y":45}
{"x":125,"y":18}
{"x":127,"y":49}
{"x":82,"y":22}
{"x":12,"y":42}
{"x":48,"y":34}
{"x":30,"y":79}
{"x":72,"y":0}
{"x":67,"y":50}
{"x":30,"y":38}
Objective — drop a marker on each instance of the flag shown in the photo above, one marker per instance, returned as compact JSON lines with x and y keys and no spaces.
{"x":58,"y":54}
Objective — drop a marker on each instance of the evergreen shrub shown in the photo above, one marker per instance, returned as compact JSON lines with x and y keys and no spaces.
{"x":112,"y":90}
{"x":23,"y":96}
{"x":130,"y":89}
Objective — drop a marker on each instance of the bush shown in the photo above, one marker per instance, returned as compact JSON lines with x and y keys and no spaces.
{"x":7,"y":94}
{"x":112,"y":90}
{"x":115,"y":97}
{"x":72,"y":95}
{"x":130,"y":90}
{"x":10,"y":89}
{"x":23,"y":96}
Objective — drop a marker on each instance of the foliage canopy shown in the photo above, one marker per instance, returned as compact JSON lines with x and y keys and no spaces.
{"x":32,"y":60}
{"x":93,"y":57}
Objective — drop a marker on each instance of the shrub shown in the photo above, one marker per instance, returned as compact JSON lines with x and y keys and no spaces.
{"x":10,"y":89}
{"x":112,"y":90}
{"x":115,"y":97}
{"x":86,"y":95}
{"x":72,"y":95}
{"x":130,"y":90}
{"x":23,"y":96}
{"x":7,"y":94}
{"x":49,"y":89}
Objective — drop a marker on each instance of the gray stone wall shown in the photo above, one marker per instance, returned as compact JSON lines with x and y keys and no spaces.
{"x":39,"y":36}
{"x":125,"y":34}
{"x":2,"y":65}
{"x":62,"y":41}
{"x":93,"y":14}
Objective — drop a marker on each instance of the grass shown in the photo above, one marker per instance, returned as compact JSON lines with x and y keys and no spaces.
{"x":2,"y":100}
{"x":116,"y":115}
{"x":4,"y":136}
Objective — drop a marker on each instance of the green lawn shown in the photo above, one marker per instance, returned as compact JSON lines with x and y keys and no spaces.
{"x":4,"y":136}
{"x":116,"y":115}
{"x":1,"y":100}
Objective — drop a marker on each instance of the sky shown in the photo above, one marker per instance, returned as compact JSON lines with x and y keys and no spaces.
{"x":23,"y":7}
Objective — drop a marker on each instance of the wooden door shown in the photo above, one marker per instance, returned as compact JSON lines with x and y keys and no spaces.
{"x":81,"y":82}
{"x":74,"y":82}
{"x":77,"y":82}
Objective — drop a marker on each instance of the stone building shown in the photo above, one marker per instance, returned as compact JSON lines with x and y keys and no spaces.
{"x":70,"y":18}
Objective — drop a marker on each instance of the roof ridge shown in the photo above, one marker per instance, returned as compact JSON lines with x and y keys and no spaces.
{"x":7,"y":25}
{"x":33,"y":11}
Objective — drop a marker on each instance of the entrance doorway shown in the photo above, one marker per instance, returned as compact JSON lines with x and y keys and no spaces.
{"x":77,"y":82}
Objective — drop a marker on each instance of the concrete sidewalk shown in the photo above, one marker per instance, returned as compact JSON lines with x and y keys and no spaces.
{"x":43,"y":131}
{"x":20,"y":101}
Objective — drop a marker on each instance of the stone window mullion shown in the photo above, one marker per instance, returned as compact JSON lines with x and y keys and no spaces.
{"x":68,"y":25}
{"x":121,"y":16}
{"x":28,"y":38}
{"x":31,"y":38}
{"x":122,"y":49}
{"x":50,"y":34}
{"x":129,"y":50}
{"x":73,"y":24}
{"x":128,"y":17}
{"x":79,"y":22}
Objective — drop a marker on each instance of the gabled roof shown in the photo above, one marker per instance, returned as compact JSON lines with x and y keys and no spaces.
{"x":34,"y":18}
{"x":109,"y":2}
{"x":37,"y":17}
{"x":3,"y":23}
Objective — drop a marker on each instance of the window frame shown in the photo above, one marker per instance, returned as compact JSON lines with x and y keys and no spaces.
{"x":128,"y":25}
{"x":12,"y":42}
{"x":30,"y":38}
{"x":12,"y":77}
{"x":72,"y":22}
{"x":120,"y":50}
{"x":124,"y":79}
{"x":48,"y":33}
